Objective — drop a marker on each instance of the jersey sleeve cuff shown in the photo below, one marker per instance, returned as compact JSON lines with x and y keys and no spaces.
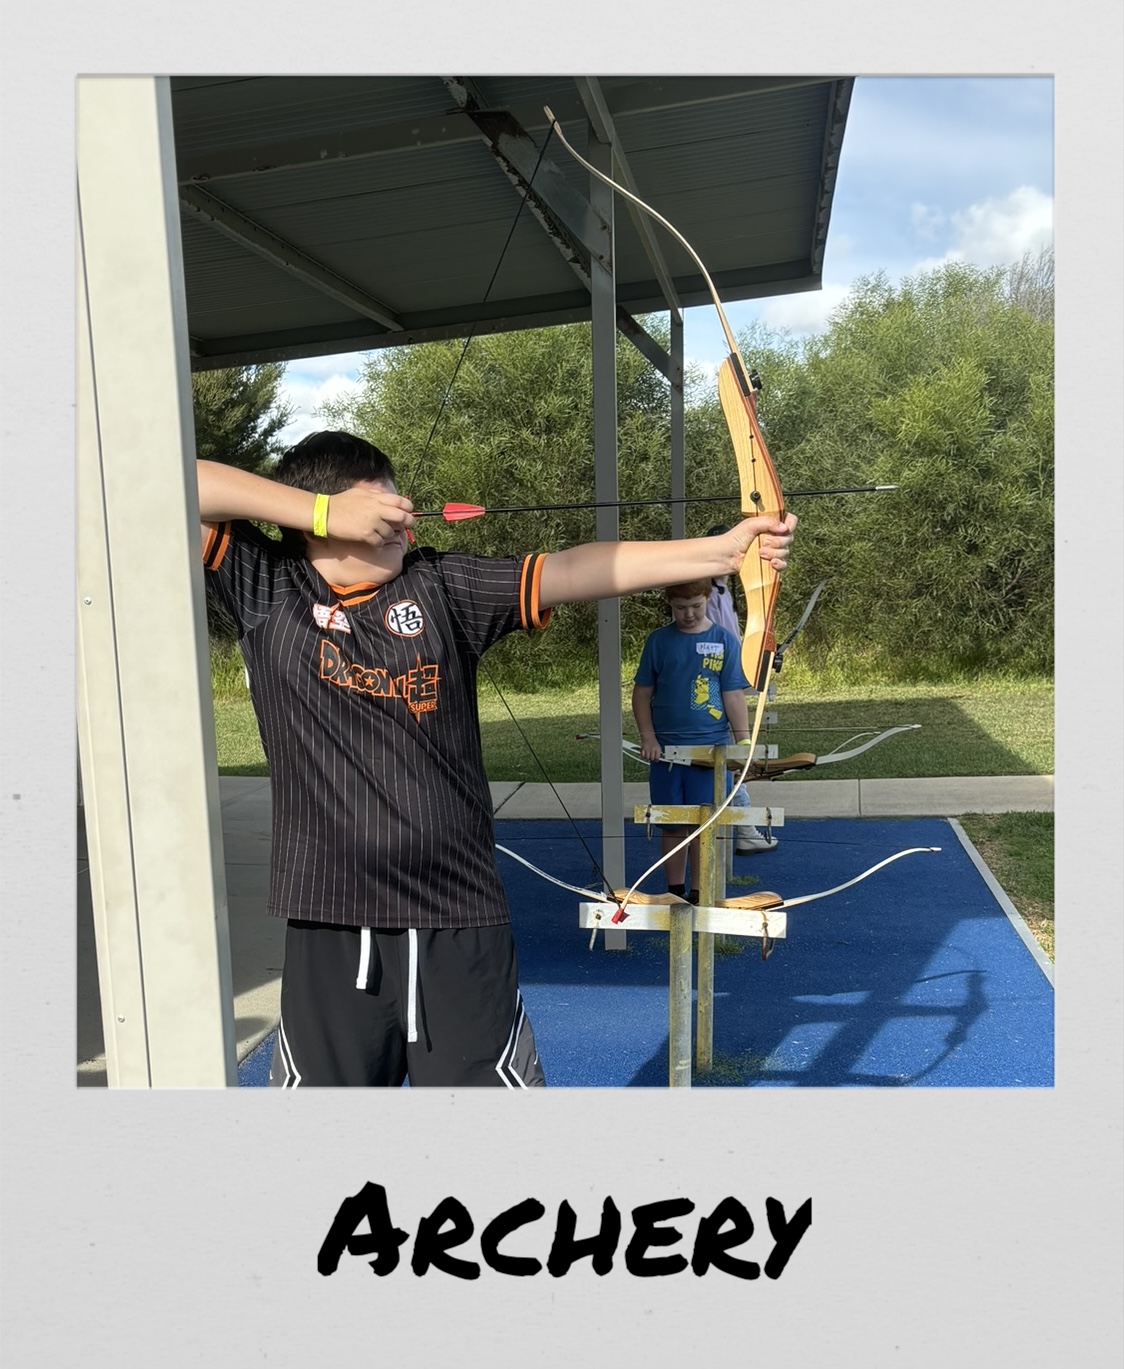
{"x":531,"y":613}
{"x":214,"y":549}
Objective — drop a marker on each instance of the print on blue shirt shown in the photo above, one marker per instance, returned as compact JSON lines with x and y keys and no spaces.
{"x":706,"y":693}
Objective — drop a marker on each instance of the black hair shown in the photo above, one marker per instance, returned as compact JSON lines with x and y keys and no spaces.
{"x":328,"y":463}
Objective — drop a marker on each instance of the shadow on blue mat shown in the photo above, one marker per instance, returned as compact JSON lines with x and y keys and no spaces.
{"x":915,"y":977}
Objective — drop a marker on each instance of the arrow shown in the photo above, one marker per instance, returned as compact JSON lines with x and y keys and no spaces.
{"x":459,"y":513}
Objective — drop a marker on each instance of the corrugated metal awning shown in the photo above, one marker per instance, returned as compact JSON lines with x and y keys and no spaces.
{"x":329,"y":214}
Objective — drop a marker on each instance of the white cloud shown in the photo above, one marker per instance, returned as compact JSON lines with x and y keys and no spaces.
{"x":310,"y":382}
{"x":995,"y":232}
{"x":338,"y":364}
{"x":926,"y":219}
{"x":804,"y":312}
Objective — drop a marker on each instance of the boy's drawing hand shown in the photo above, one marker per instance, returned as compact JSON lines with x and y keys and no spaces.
{"x":368,"y":514}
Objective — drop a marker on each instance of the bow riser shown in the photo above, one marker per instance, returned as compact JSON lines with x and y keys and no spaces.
{"x":761,"y":494}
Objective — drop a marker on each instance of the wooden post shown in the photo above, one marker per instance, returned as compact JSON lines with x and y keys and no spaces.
{"x":681,"y":937}
{"x":712,"y":882}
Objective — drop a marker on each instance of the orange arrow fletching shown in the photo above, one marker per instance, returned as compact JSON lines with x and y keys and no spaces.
{"x":457,"y":513}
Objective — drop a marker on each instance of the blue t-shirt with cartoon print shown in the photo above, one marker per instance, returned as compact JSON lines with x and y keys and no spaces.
{"x":689,"y":672}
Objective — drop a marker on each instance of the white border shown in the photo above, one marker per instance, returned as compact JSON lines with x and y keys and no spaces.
{"x":182,"y":1228}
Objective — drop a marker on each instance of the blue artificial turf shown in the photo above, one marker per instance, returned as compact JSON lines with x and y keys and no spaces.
{"x":913,"y":977}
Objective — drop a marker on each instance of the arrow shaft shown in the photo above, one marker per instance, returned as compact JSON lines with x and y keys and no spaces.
{"x":461,"y":512}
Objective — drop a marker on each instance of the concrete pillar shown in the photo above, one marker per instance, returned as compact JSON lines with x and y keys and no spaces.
{"x":146,"y":730}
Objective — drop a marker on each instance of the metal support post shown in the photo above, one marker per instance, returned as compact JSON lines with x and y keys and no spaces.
{"x":603,"y":291}
{"x":678,"y":444}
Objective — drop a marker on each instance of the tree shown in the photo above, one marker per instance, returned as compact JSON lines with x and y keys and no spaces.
{"x":238,"y":416}
{"x":1029,"y":283}
{"x":943,"y":386}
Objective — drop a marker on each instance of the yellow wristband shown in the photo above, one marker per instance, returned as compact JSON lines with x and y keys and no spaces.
{"x":320,"y":516}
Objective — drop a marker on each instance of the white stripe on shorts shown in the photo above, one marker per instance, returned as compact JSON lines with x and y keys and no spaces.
{"x":412,"y":1002}
{"x":364,"y":958}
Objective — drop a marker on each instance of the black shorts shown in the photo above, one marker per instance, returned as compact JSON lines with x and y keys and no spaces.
{"x":364,"y":1008}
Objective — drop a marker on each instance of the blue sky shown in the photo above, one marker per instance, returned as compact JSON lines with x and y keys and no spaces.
{"x":933,"y":168}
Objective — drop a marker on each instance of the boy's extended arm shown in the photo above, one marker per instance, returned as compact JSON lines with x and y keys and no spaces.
{"x":603,"y":570}
{"x":225,"y":492}
{"x":363,"y":513}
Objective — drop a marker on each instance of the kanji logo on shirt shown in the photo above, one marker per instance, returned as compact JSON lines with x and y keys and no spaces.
{"x":329,"y":617}
{"x":405,"y":619}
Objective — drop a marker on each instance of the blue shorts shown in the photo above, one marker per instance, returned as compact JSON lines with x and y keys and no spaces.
{"x":681,"y":783}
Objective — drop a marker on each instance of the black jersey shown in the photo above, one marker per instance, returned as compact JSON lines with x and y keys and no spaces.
{"x":366,"y":702}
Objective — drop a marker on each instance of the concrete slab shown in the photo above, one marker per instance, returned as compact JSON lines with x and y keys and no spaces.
{"x":502,"y":790}
{"x":257,"y":949}
{"x":541,"y":802}
{"x":235,"y":790}
{"x":952,"y":796}
{"x":945,"y":797}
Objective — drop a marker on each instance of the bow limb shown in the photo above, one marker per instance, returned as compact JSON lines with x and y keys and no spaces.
{"x":837,"y":755}
{"x":782,"y":647}
{"x":594,"y":895}
{"x":659,"y":218}
{"x":824,"y":893}
{"x":773,"y":902}
{"x":805,"y":760}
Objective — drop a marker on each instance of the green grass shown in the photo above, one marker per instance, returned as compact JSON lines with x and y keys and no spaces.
{"x":986,"y":727}
{"x":237,"y":739}
{"x":1018,"y":849}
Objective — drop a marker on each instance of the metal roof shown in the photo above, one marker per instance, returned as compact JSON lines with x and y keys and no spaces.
{"x":329,"y":214}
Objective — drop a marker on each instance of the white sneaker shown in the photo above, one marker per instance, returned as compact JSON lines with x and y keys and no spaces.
{"x":751,"y":840}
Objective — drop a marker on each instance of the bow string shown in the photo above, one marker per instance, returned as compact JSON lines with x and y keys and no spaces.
{"x":759,"y":483}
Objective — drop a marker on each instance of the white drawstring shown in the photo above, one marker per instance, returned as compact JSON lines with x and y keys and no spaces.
{"x":364,"y":975}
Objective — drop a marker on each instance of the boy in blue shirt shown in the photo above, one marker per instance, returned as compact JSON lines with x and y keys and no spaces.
{"x":689,"y":690}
